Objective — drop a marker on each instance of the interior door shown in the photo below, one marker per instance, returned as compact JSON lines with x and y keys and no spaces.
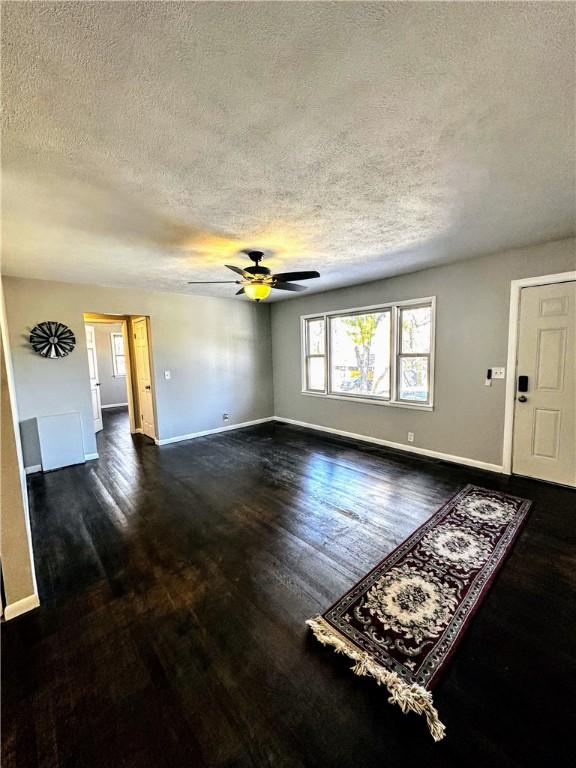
{"x":144,"y":379}
{"x":94,"y":381}
{"x":545,"y":409}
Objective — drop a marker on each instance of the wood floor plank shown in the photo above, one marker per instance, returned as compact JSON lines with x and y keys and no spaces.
{"x":175,"y":583}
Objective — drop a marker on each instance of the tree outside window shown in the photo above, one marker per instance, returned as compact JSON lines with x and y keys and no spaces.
{"x":360,"y":352}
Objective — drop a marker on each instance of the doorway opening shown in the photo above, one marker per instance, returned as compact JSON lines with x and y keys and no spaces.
{"x":120,"y":371}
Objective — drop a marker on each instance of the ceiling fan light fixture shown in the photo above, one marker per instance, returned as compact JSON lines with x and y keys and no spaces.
{"x":258,"y":281}
{"x":257,"y":291}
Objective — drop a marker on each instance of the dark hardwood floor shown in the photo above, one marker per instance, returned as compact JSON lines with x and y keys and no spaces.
{"x":175,"y":583}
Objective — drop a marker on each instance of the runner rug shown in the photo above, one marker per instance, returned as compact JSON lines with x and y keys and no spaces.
{"x":402,"y":622}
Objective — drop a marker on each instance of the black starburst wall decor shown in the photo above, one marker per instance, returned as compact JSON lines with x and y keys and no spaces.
{"x":52,"y":339}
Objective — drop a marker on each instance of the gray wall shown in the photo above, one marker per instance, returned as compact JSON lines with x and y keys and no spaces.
{"x":218,"y":351}
{"x":471,"y":335}
{"x":112,"y":388}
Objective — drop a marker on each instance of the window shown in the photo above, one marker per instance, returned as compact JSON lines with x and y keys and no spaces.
{"x":315,"y":347}
{"x":360,"y":354}
{"x":375,"y":354}
{"x":118,"y":356}
{"x":413,"y":366}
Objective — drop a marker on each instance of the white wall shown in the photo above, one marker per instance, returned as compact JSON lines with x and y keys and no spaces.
{"x":218,"y":351}
{"x":471,"y":335}
{"x":112,"y":388}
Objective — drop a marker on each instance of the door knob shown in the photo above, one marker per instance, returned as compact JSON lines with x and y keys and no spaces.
{"x":147,"y":386}
{"x":522,"y":399}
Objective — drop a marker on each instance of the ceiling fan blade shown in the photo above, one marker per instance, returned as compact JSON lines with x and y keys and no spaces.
{"x":288,"y":287}
{"x":239,"y":271}
{"x":239,"y":292}
{"x":283,"y":277}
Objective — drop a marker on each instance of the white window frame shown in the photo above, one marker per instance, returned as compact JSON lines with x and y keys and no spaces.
{"x":395,"y":353}
{"x":306,"y":355}
{"x":114,"y":355}
{"x":328,"y":321}
{"x":428,"y":355}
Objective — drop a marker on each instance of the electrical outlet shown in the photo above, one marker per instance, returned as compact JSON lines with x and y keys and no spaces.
{"x":498,"y":373}
{"x":410,"y":437}
{"x":225,"y":417}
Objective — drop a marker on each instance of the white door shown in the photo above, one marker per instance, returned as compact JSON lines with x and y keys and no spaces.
{"x":144,"y":380}
{"x":545,"y":414}
{"x":94,"y":381}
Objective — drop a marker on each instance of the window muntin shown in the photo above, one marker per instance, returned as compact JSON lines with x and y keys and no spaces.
{"x":360,"y":354}
{"x":315,"y":354}
{"x":374,"y":354}
{"x":413,"y":360}
{"x":118,"y":355}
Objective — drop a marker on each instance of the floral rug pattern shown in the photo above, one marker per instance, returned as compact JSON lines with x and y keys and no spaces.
{"x":408,"y":614}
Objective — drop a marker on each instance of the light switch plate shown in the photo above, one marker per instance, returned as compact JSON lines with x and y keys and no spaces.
{"x":498,"y":373}
{"x":167,"y":375}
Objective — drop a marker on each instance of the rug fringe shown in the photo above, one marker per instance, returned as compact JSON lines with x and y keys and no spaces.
{"x":410,"y":697}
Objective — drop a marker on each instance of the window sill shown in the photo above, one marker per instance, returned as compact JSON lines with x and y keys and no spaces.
{"x":371,"y":401}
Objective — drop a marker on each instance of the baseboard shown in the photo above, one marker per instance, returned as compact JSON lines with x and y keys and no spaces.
{"x":38,"y":467}
{"x":113,"y":405}
{"x":217,"y":430}
{"x":363,"y":438}
{"x":397,"y":446}
{"x":21,"y":606}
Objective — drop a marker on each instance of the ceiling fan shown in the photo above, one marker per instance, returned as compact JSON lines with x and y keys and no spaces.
{"x":257,"y":281}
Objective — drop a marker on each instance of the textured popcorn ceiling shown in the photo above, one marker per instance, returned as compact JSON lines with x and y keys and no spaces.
{"x":146,"y":143}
